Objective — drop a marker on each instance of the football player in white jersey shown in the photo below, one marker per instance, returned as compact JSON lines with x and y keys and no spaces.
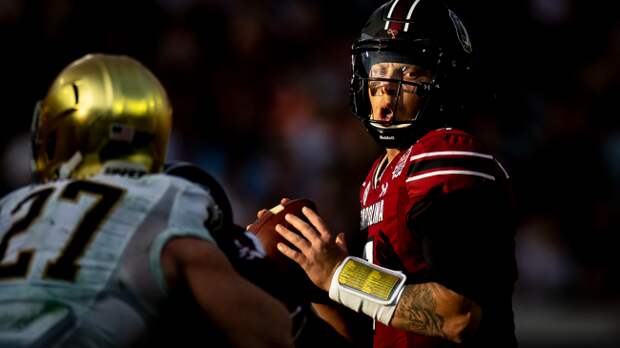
{"x":93,"y":250}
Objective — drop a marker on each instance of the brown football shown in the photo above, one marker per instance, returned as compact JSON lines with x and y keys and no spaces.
{"x":264,"y":229}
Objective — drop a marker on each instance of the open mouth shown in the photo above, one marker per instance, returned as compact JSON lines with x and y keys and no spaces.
{"x":386,"y":113}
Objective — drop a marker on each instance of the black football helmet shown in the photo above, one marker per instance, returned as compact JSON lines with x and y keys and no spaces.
{"x":418,"y":32}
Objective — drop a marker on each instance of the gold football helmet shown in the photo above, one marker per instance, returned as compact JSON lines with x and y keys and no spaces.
{"x":101,"y":110}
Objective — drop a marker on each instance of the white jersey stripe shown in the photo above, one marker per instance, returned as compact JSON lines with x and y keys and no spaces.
{"x":379,"y":171}
{"x":451,"y":153}
{"x":415,"y":3}
{"x":387,"y":22}
{"x":450,"y":172}
{"x":502,"y":168}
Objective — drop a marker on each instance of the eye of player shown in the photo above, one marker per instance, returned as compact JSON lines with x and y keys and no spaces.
{"x":415,"y":74}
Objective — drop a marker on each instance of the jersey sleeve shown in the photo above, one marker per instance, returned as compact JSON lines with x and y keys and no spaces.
{"x":192,"y":211}
{"x":461,"y":213}
{"x":446,"y":161}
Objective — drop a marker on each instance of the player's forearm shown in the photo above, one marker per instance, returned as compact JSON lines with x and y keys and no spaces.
{"x":428,"y":309}
{"x":431,"y":309}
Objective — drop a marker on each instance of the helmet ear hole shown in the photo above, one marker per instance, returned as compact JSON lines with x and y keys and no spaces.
{"x":356,"y":85}
{"x":358,"y":95}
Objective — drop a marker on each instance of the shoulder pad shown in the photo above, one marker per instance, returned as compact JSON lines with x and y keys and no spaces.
{"x":200,"y":177}
{"x":452,"y":159}
{"x":443,"y":139}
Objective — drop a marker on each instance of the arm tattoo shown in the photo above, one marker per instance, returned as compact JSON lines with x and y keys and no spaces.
{"x":417,"y":308}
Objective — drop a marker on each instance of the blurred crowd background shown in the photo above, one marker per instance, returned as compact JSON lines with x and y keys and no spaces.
{"x":260,"y":96}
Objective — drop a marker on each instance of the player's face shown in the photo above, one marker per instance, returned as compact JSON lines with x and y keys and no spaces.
{"x":387,"y":102}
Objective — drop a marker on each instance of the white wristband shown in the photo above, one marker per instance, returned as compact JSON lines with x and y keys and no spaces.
{"x":371,"y":289}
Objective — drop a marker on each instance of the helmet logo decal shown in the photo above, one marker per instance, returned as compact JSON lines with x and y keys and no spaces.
{"x":461,"y":32}
{"x":393,"y":33}
{"x":389,"y":16}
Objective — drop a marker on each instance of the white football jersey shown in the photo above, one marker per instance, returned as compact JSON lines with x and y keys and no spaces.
{"x":80,"y":260}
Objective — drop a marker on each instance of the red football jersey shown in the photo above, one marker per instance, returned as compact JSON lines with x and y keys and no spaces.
{"x":441,"y":162}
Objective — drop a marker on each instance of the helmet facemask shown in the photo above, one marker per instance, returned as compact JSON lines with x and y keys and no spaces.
{"x":391,"y":88}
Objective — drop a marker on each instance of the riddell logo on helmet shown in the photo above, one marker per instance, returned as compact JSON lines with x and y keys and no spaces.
{"x":385,"y":137}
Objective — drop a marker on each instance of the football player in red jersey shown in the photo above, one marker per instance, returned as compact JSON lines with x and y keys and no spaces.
{"x":439,"y":266}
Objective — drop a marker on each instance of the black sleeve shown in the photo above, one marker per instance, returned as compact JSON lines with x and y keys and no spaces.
{"x":468,"y":240}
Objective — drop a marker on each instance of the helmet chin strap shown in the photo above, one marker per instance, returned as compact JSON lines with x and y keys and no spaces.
{"x":397,"y":135}
{"x":68,"y":167}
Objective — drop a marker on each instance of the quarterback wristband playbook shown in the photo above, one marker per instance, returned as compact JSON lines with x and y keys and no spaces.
{"x":362,"y":286}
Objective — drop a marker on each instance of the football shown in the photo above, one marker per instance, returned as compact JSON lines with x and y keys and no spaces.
{"x":289,"y":271}
{"x":265,"y":229}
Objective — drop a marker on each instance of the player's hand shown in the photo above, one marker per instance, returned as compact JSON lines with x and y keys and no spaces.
{"x":263,"y":211}
{"x":320,"y":251}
